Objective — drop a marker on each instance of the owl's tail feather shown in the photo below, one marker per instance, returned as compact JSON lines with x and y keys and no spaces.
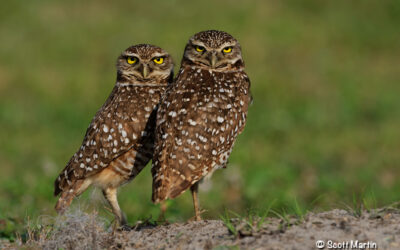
{"x":64,"y":201}
{"x":177,"y":190}
{"x":163,"y":191}
{"x":67,"y":195}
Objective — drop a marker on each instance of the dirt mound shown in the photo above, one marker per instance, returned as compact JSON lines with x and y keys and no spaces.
{"x":379,"y":229}
{"x":327,"y":230}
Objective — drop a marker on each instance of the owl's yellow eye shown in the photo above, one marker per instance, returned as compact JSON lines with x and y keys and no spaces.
{"x":199,"y":49}
{"x":158,"y":60}
{"x":227,"y":50}
{"x":131,"y":60}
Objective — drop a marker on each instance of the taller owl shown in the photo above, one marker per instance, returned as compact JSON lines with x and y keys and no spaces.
{"x":119,"y":141}
{"x":200,"y":115}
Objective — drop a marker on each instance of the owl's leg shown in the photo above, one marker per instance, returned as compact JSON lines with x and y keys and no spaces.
{"x":111,"y":195}
{"x":163,"y":209}
{"x":195,"y":192}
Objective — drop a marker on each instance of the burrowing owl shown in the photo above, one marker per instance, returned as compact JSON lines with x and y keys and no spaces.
{"x":200,"y":115}
{"x":119,"y":141}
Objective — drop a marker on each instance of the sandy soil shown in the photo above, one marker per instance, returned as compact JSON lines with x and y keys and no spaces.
{"x":378,"y":229}
{"x":381,"y":228}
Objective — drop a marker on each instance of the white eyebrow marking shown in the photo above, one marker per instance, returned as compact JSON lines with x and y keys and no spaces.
{"x":226,"y":44}
{"x":124,"y":84}
{"x":157,"y":54}
{"x":198,"y":43}
{"x":130,"y":54}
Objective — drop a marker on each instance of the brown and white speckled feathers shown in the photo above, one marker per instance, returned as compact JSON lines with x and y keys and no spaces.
{"x":213,"y":38}
{"x":200,"y":115}
{"x":125,"y":122}
{"x":119,"y":141}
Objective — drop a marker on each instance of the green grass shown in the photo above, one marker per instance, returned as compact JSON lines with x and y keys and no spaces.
{"x":227,"y":220}
{"x":324,"y":125}
{"x":251,"y":222}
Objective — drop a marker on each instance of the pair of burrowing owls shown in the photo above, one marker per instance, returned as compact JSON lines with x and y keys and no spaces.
{"x":187,"y":126}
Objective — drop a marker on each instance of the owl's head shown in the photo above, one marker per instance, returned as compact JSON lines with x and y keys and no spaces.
{"x":144,"y":63}
{"x":213,"y":49}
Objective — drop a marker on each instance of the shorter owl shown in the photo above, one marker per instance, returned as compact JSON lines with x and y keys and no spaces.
{"x":200,"y":115}
{"x":119,"y":141}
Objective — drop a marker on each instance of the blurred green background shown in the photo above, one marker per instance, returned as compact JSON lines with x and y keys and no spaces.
{"x":324,"y":126}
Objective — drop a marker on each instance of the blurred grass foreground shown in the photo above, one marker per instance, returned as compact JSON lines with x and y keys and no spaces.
{"x":323,"y":129}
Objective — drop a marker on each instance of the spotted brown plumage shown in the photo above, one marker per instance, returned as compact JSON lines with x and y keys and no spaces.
{"x":119,"y":141}
{"x":200,"y":115}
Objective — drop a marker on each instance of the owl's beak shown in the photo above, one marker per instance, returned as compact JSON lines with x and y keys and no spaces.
{"x":145,"y":71}
{"x":213,"y":60}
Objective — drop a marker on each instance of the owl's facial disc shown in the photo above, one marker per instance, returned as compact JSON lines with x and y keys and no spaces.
{"x":219,"y":57}
{"x":149,"y":68}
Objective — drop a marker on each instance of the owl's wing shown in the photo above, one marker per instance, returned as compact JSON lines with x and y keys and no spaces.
{"x":112,"y":132}
{"x":197,"y":125}
{"x":244,"y":93}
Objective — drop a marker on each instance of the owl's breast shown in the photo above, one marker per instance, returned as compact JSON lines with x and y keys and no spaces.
{"x":204,"y":116}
